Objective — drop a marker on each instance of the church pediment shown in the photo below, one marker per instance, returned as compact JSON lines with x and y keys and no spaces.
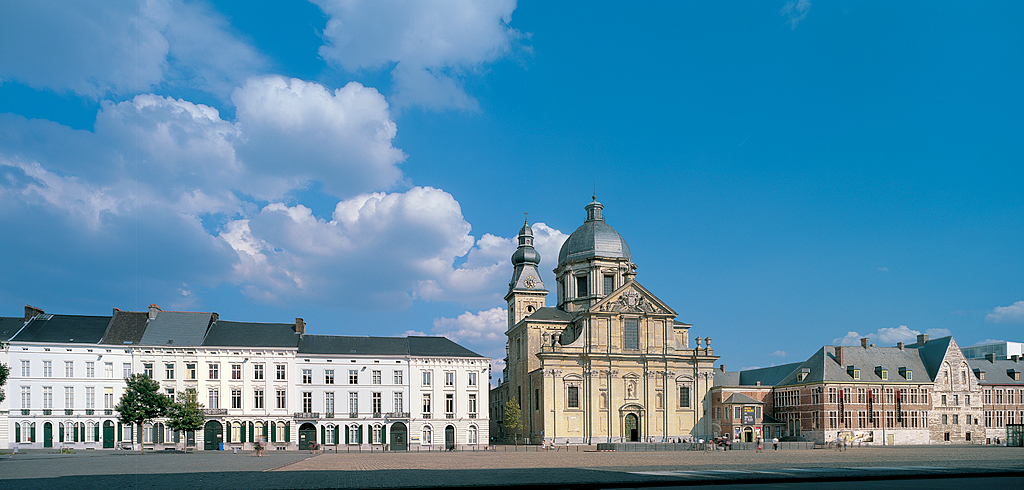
{"x":633,"y":298}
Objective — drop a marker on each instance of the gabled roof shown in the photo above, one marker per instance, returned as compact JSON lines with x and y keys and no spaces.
{"x":933,"y":353}
{"x":77,"y":329}
{"x":177,"y":328}
{"x":550,"y":314}
{"x":889,"y":358}
{"x":351,"y":345}
{"x":740,"y":398}
{"x":10,"y":326}
{"x":608,"y":303}
{"x":726,"y":378}
{"x":998,"y":372}
{"x":245,"y":334}
{"x":769,"y":376}
{"x":125,"y":328}
{"x":438,"y":346}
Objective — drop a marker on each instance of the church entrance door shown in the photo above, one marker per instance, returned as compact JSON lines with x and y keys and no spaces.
{"x":632,"y":428}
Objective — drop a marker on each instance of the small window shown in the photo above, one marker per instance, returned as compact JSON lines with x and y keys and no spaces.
{"x":353,"y":377}
{"x":328,"y":376}
{"x":609,"y":284}
{"x":631,"y":333}
{"x":449,"y":378}
{"x":684,"y":397}
{"x":573,"y":394}
{"x":582,"y":290}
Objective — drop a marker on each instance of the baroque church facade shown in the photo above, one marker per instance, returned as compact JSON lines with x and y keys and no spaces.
{"x":609,"y":362}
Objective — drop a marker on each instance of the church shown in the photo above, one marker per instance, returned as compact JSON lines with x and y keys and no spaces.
{"x":609,"y":362}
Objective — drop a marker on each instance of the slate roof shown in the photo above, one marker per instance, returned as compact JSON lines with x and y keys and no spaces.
{"x":997,"y":372}
{"x":177,"y":328}
{"x":78,"y":329}
{"x":10,"y":326}
{"x":125,"y":328}
{"x":741,"y":398}
{"x":770,"y":376}
{"x":932,"y":354}
{"x":246,"y":334}
{"x":382,"y":346}
{"x":549,"y":313}
{"x":726,"y":378}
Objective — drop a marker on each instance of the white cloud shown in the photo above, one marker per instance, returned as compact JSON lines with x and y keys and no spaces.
{"x":795,"y":11}
{"x":883,"y":269}
{"x":1007,"y":314}
{"x":431,"y":45}
{"x":890,"y":335}
{"x":99,"y":47}
{"x":486,"y":326}
{"x":988,"y":341}
{"x":780,"y":353}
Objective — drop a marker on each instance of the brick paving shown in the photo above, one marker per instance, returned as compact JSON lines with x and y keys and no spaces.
{"x":293,"y":469}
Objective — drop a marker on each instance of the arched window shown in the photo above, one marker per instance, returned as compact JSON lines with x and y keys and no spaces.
{"x":258,"y":431}
{"x":279,"y":428}
{"x":236,"y":432}
{"x":147,"y":433}
{"x":471,"y":435}
{"x":426,"y":438}
{"x":90,"y":432}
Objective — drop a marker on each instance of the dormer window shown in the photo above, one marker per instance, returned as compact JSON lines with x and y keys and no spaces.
{"x":907,"y":374}
{"x":1014,"y":374}
{"x":853,"y":372}
{"x":802,"y":375}
{"x":882,"y":373}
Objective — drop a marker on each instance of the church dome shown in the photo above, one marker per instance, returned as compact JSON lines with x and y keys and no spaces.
{"x":594,"y":238}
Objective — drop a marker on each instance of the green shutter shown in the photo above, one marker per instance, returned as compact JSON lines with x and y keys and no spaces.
{"x":227,"y":436}
{"x":138,"y":434}
{"x":266,"y":430}
{"x":360,"y":435}
{"x":384,"y":434}
{"x":118,"y":432}
{"x":17,"y":432}
{"x":32,"y":433}
{"x":287,"y":432}
{"x":346,"y":434}
{"x":242,"y":432}
{"x":252,"y":432}
{"x":60,"y":432}
{"x":96,"y":433}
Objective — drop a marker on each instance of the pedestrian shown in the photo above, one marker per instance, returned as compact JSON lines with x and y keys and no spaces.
{"x":775,"y":444}
{"x":759,"y":446}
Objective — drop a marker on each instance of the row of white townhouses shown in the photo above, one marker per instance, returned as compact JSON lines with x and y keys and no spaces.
{"x":268,"y":381}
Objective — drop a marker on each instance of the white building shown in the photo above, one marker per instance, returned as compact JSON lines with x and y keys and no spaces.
{"x":449,"y":385}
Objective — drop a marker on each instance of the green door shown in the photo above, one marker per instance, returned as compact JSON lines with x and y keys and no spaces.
{"x":108,"y":435}
{"x":47,"y":435}
{"x":632,"y":428}
{"x":398,"y":437}
{"x":213,"y":435}
{"x":307,"y":434}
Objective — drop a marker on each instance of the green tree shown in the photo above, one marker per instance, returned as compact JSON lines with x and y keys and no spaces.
{"x":141,"y":401}
{"x":513,"y":418}
{"x":4,"y":372}
{"x":186,"y":413}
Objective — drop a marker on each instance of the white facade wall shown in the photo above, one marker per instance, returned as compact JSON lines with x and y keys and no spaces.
{"x":79,"y":401}
{"x":322,"y":377}
{"x":462,"y":382}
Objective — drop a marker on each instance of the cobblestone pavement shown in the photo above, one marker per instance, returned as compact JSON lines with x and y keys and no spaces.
{"x":549,"y":470}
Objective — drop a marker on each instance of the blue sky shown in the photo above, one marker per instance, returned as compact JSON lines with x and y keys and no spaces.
{"x":787,"y":174}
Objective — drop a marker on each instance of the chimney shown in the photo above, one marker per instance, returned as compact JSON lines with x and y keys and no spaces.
{"x":31,"y":312}
{"x":300,"y":326}
{"x":1015,"y":358}
{"x":922,"y":339}
{"x":214,"y":317}
{"x":721,"y":367}
{"x":863,"y":343}
{"x":899,"y":345}
{"x":153,"y":309}
{"x":990,"y":358}
{"x":839,"y":355}
{"x":757,"y":383}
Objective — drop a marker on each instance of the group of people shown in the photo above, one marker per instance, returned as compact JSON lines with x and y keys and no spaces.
{"x":775,"y":444}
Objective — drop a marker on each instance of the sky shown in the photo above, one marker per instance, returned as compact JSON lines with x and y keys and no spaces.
{"x":787,"y":174}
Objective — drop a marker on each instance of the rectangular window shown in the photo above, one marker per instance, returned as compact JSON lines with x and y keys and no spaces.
{"x":739,"y":413}
{"x":426,"y":378}
{"x":47,"y":369}
{"x":108,"y":370}
{"x":449,"y":405}
{"x":257,"y":371}
{"x":472,"y":405}
{"x":69,"y":369}
{"x":398,"y":402}
{"x":307,"y":376}
{"x":307,"y":401}
{"x":214,"y":398}
{"x":353,"y":403}
{"x":684,"y":396}
{"x":281,"y":369}
{"x":26,"y":397}
{"x":328,"y":376}
{"x":353,"y":434}
{"x":69,"y":398}
{"x":375,"y":403}
{"x":956,"y":419}
{"x":988,"y":397}
{"x":376,"y":378}
{"x":108,"y":398}
{"x":257,"y":398}
{"x":398,"y":377}
{"x":573,"y":397}
{"x":353,"y":377}
{"x":378,"y":435}
{"x":945,"y":419}
{"x":47,"y":397}
{"x":25,"y":371}
{"x":214,"y":371}
{"x":609,"y":284}
{"x":169,"y":370}
{"x":236,"y":398}
{"x":236,"y":372}
{"x":190,"y":370}
{"x":126,"y":370}
{"x":90,"y":397}
{"x":449,"y":378}
{"x":631,"y":333}
{"x":170,"y":393}
{"x":329,"y":403}
{"x":472,"y":378}
{"x":999,"y":397}
{"x":147,"y":369}
{"x":536,"y":398}
{"x":426,"y":405}
{"x":582,"y":290}
{"x":281,"y":399}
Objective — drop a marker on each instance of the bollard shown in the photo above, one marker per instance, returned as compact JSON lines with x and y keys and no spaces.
{"x":234,"y":450}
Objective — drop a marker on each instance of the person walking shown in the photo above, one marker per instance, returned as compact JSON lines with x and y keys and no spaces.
{"x":759,"y":446}
{"x":775,"y":444}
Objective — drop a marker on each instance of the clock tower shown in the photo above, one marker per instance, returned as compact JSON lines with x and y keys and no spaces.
{"x":526,"y":291}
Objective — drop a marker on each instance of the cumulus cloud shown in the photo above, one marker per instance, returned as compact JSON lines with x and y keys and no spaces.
{"x":780,"y":353}
{"x":430,"y":46}
{"x":100,"y":47}
{"x":1007,"y":314}
{"x":890,"y":335}
{"x":484,"y":326}
{"x":795,"y":11}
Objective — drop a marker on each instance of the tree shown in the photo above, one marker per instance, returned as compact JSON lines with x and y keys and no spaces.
{"x":513,"y":418}
{"x":141,"y":401}
{"x":4,"y":372}
{"x":186,"y":414}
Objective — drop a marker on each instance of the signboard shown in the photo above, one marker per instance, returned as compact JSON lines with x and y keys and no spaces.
{"x":748,"y":415}
{"x":857,"y":436}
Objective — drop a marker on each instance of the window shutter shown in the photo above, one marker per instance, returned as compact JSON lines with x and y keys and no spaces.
{"x":360,"y":435}
{"x":252,"y":432}
{"x":32,"y":433}
{"x":60,"y":432}
{"x":266,"y":428}
{"x":273,"y":432}
{"x":384,"y":434}
{"x":287,"y":432}
{"x":346,"y":435}
{"x":118,"y":432}
{"x":241,"y":432}
{"x":323,"y":433}
{"x":96,"y":433}
{"x":138,"y":434}
{"x":17,"y":432}
{"x":227,"y":430}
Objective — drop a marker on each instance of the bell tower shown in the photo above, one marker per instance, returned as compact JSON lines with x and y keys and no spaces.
{"x":526,"y":291}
